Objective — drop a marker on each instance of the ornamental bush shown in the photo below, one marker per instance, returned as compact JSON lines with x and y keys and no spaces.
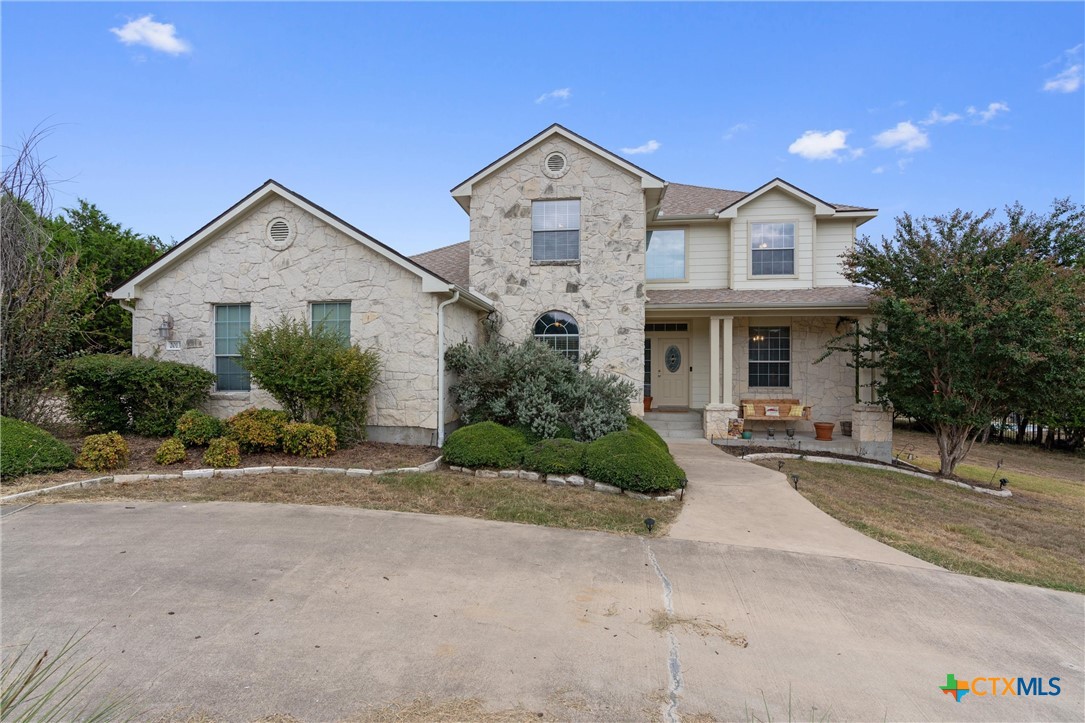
{"x":555,"y":456}
{"x":26,"y":449}
{"x":486,"y":444}
{"x":108,"y":392}
{"x":534,"y":387}
{"x":313,"y":375}
{"x":639,"y":426}
{"x":304,"y":439}
{"x":196,"y":428}
{"x":103,"y":452}
{"x":171,"y":451}
{"x":222,"y":452}
{"x":258,"y":430}
{"x":629,"y":461}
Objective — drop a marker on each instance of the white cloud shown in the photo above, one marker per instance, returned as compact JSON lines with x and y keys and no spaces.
{"x":734,"y":130}
{"x":556,"y":94}
{"x":819,"y":146}
{"x":879,"y":169}
{"x":649,"y":147}
{"x":1069,"y":80}
{"x":157,"y":36}
{"x":938,"y":118}
{"x":904,"y":136}
{"x":985,"y":115}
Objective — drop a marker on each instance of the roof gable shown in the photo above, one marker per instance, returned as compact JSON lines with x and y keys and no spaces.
{"x":462,"y":191}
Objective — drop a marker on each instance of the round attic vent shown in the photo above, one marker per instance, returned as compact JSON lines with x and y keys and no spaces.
{"x":280,"y":234}
{"x":555,"y":165}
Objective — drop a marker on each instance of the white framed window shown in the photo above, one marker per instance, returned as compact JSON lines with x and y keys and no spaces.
{"x":560,"y":331}
{"x":770,"y":356}
{"x":665,"y":259}
{"x":231,"y":327}
{"x":332,"y":315}
{"x":772,"y":249}
{"x":555,"y":230}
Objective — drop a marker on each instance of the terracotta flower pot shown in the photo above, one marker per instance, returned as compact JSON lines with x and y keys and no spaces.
{"x":823,"y":431}
{"x":647,"y":404}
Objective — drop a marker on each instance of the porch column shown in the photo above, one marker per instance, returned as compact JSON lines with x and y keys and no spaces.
{"x":718,"y":412}
{"x":729,"y":361}
{"x":714,"y":360}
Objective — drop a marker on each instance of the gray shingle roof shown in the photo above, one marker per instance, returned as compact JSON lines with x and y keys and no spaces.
{"x":824,"y":296}
{"x":681,"y":199}
{"x":449,"y":262}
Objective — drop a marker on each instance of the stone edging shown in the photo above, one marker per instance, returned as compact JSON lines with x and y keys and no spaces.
{"x":224,"y":472}
{"x":557,"y":480}
{"x":884,"y":467}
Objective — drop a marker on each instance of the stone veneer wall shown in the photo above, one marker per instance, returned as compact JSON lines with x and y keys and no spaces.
{"x":389,"y":311}
{"x":604,"y":292}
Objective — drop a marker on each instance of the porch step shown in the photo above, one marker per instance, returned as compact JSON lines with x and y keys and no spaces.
{"x":676,"y":425}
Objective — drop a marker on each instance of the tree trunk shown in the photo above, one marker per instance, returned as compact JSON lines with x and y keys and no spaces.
{"x":954,"y":443}
{"x":1022,"y":425}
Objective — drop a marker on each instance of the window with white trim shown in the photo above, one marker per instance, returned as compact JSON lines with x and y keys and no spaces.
{"x":555,"y":230}
{"x":231,"y":327}
{"x":560,"y":331}
{"x":772,"y":249}
{"x":333,"y":316}
{"x":770,"y":356}
{"x":666,"y":256}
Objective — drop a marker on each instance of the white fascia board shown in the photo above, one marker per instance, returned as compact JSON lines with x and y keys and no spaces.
{"x":821,"y":209}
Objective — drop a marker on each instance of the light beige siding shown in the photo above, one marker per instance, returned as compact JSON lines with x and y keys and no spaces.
{"x":708,"y":257}
{"x":833,"y":239}
{"x":774,"y":206}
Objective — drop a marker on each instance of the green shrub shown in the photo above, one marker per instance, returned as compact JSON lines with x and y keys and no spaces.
{"x":222,"y":452}
{"x":486,"y":444}
{"x":108,"y":392}
{"x":171,"y":451}
{"x":639,"y":426}
{"x":308,"y":440}
{"x":532,"y":386}
{"x":196,"y":428}
{"x":102,"y":452}
{"x":555,"y":456}
{"x":629,"y":461}
{"x":258,"y":430}
{"x":313,"y":374}
{"x":26,"y":449}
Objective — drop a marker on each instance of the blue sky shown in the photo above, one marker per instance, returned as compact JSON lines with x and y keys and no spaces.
{"x":165,"y":114}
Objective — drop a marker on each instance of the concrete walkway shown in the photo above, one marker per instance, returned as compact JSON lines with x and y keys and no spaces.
{"x":735,"y":502}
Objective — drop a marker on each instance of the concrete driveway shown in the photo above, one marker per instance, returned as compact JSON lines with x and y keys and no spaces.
{"x":245,"y":610}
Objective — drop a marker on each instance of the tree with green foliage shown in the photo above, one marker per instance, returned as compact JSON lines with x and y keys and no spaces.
{"x":974,"y":318}
{"x":111,"y":254}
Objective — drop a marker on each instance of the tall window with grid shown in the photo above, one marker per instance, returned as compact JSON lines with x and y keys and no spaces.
{"x":332,"y":316}
{"x":770,"y":356}
{"x":231,"y":326}
{"x":772,"y":249}
{"x":555,"y":230}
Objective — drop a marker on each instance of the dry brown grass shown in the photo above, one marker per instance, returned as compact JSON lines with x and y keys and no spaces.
{"x":438,"y":493}
{"x":1023,"y":458}
{"x":1035,"y":537}
{"x":661,"y":621}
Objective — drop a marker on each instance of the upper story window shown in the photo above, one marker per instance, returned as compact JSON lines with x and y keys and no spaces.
{"x":666,"y":256}
{"x":231,"y":327}
{"x":333,"y":316}
{"x":772,"y":249}
{"x":555,"y":230}
{"x":560,"y":331}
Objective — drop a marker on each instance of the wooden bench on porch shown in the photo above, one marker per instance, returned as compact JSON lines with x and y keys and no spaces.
{"x":754,"y":410}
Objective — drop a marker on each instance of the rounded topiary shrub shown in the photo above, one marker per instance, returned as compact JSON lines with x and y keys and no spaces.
{"x":308,"y":440}
{"x":171,"y":451}
{"x":629,"y":461}
{"x":258,"y":430}
{"x":102,"y":452}
{"x":196,"y":428}
{"x":26,"y":449}
{"x":555,"y":456}
{"x":486,"y":444}
{"x":222,"y":452}
{"x":639,"y":426}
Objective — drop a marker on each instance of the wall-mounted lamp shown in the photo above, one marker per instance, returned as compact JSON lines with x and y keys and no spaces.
{"x":165,"y":330}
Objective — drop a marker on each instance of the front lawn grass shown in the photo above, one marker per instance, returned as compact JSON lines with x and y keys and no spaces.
{"x":1036,"y":537}
{"x":437,"y":493}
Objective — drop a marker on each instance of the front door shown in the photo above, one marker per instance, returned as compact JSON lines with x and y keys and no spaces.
{"x":670,"y":387}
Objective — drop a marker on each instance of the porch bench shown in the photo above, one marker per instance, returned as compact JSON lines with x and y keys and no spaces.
{"x":785,"y":406}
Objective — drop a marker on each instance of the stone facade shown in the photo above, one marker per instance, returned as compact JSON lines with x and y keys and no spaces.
{"x":872,"y":431}
{"x":318,"y":263}
{"x":604,"y":292}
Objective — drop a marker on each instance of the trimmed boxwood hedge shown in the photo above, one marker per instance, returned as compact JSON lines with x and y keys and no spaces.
{"x":631,"y":461}
{"x":26,"y":449}
{"x":555,"y":456}
{"x":486,"y":444}
{"x":639,"y":426}
{"x":197,"y":429}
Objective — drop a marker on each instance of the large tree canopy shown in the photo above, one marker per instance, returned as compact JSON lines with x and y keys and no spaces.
{"x":975,"y":318}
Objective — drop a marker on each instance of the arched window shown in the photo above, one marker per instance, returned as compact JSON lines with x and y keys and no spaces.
{"x":560,"y":331}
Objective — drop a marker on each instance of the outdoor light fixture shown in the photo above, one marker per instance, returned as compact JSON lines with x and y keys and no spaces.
{"x":780,"y":465}
{"x":772,"y":432}
{"x":795,"y":480}
{"x":165,"y":330}
{"x":790,"y":432}
{"x":1002,"y":483}
{"x":682,"y":488}
{"x":649,"y":523}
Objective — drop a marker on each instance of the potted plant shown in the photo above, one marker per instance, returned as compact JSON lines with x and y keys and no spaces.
{"x":845,"y":427}
{"x":647,"y":404}
{"x":823,"y":431}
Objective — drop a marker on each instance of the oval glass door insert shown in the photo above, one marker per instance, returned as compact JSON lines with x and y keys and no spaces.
{"x":672,"y":358}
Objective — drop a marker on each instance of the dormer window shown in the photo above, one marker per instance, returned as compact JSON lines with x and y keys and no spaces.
{"x":772,"y":249}
{"x":555,"y":231}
